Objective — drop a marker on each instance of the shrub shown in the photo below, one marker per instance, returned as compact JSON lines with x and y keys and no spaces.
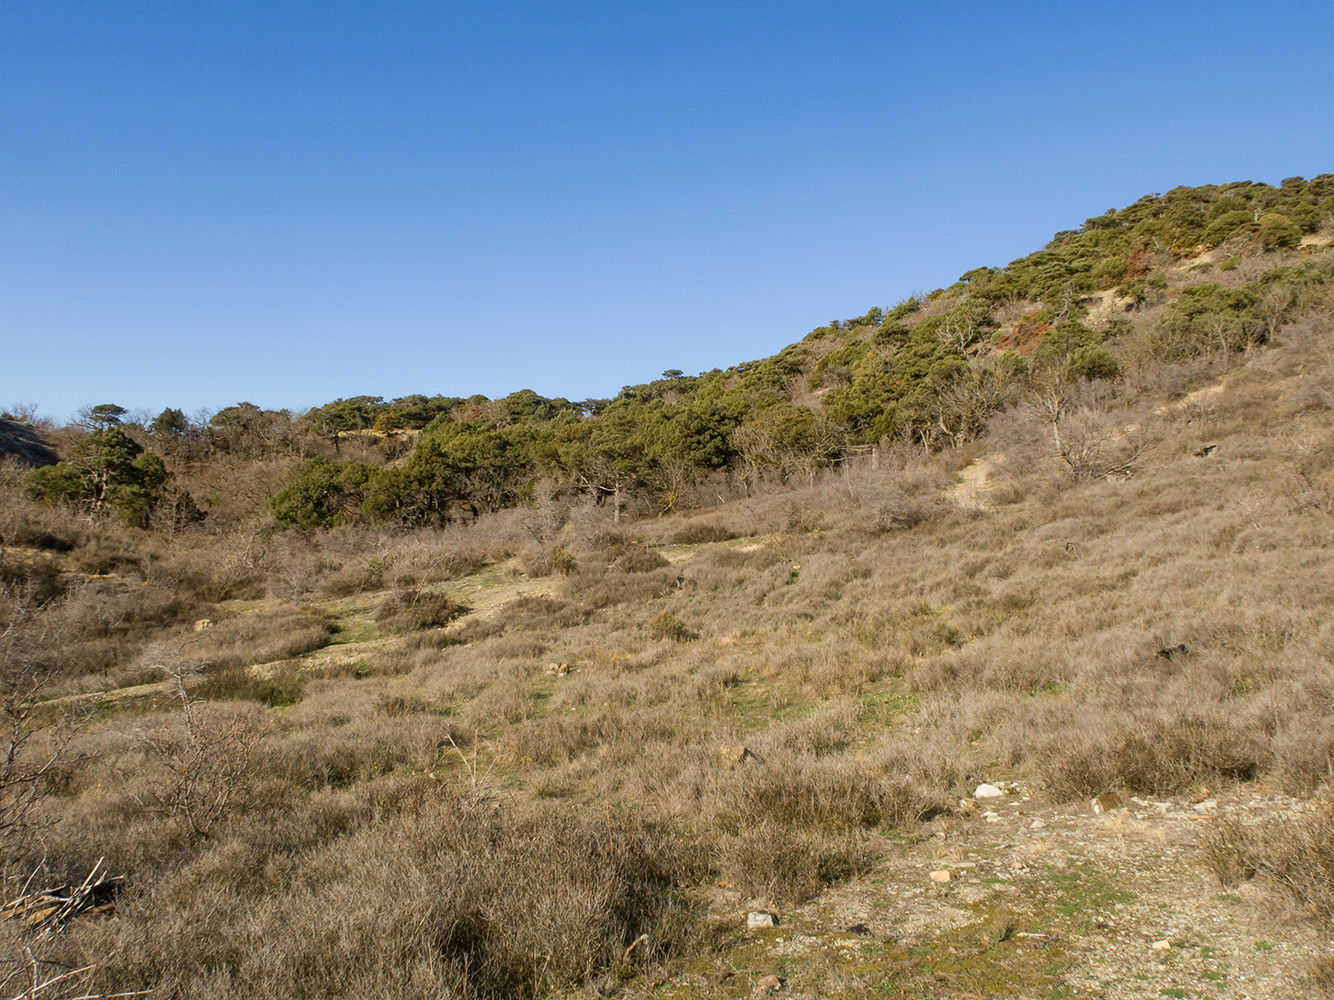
{"x":413,"y":611}
{"x":1293,"y":852}
{"x":637,"y":559}
{"x":668,"y":626}
{"x":779,"y":865}
{"x":562,"y":562}
{"x":452,"y":899}
{"x":699,"y":534}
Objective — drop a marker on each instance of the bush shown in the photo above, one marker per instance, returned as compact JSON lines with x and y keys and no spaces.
{"x":1294,"y":853}
{"x":779,"y":866}
{"x":455,"y":899}
{"x":1094,"y":363}
{"x":637,"y":559}
{"x":413,"y":611}
{"x":700,"y":534}
{"x":668,"y":626}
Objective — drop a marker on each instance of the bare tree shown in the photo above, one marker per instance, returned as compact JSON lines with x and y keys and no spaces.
{"x":203,"y":767}
{"x":34,"y":741}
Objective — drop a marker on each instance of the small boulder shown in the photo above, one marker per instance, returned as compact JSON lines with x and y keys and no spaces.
{"x":734,"y":755}
{"x":941,"y":876}
{"x":1107,"y":802}
{"x":761,"y":918}
{"x":985,"y":791}
{"x":1163,"y":945}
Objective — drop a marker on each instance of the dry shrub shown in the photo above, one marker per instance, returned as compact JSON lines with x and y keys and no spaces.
{"x":1322,"y":974}
{"x":596,"y":590}
{"x":413,"y":611}
{"x":620,"y":733}
{"x":1293,"y":852}
{"x":456,"y":900}
{"x":778,"y":865}
{"x":535,"y":561}
{"x":701,"y":533}
{"x":260,"y":637}
{"x":276,"y":688}
{"x":638,"y":559}
{"x":39,"y":578}
{"x":355,"y":577}
{"x":894,"y":499}
{"x":826,"y":793}
{"x":667,"y":626}
{"x":1156,"y":756}
{"x":537,"y":614}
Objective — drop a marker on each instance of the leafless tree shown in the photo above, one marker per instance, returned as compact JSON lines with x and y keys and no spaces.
{"x":35,"y":737}
{"x":202,"y":766}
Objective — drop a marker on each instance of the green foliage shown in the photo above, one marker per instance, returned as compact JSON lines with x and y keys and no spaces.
{"x":107,"y":472}
{"x":1063,"y":340}
{"x":1205,"y":316}
{"x":1228,"y":225}
{"x":320,"y":494}
{"x":105,"y":415}
{"x":1279,"y":231}
{"x":1094,"y":363}
{"x":169,"y":424}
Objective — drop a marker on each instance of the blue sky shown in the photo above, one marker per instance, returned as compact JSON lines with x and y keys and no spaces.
{"x":286,"y":202}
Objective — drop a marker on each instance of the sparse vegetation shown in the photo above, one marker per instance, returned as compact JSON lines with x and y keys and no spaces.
{"x":476,"y":698}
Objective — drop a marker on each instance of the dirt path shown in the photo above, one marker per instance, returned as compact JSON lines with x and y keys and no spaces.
{"x":975,"y":482}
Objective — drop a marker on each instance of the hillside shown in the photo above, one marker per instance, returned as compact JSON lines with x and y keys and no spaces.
{"x":530,"y":697}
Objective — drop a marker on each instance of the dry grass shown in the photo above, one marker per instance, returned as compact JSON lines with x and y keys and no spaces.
{"x":1292,"y":852}
{"x":504,"y":806}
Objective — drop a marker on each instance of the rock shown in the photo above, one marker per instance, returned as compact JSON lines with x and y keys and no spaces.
{"x":1037,"y":824}
{"x":1205,"y":806}
{"x":203,"y":623}
{"x":985,"y":791}
{"x":1107,"y":802}
{"x":941,"y":876}
{"x":734,"y":755}
{"x":769,"y":984}
{"x":761,"y":918}
{"x":991,"y":817}
{"x":1163,"y":945}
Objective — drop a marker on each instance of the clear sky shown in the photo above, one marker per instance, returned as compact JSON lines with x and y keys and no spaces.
{"x":285,"y":202}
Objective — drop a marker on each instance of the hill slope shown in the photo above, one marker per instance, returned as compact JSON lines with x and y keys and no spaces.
{"x":551,"y":749}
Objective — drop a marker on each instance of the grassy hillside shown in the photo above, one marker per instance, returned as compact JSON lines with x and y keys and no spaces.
{"x":1036,"y":530}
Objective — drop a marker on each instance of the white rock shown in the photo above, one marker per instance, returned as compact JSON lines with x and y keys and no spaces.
{"x":985,"y":791}
{"x":1037,"y":824}
{"x":760,"y":918}
{"x":1205,"y":806}
{"x":941,"y":876}
{"x":1163,"y":945}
